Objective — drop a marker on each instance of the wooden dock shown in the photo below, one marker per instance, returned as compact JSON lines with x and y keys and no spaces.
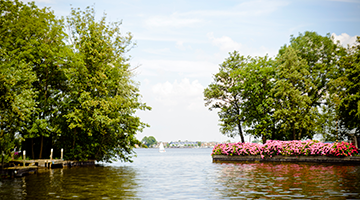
{"x":18,"y":171}
{"x":54,"y":163}
{"x":16,"y":168}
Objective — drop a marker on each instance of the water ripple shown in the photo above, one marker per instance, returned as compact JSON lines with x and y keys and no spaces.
{"x":188,"y":174}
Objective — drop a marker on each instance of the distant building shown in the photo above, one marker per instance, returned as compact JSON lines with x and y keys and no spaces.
{"x":209,"y":144}
{"x":181,"y":144}
{"x":185,"y":144}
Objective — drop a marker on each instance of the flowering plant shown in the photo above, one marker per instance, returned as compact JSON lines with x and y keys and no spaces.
{"x":286,"y":148}
{"x":16,"y":155}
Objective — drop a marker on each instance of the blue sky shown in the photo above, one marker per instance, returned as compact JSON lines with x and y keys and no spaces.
{"x":181,"y":43}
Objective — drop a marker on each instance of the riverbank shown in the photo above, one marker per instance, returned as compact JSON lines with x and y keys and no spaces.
{"x":295,"y":159}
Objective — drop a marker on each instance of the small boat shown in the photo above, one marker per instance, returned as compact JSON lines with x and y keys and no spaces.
{"x":161,"y":148}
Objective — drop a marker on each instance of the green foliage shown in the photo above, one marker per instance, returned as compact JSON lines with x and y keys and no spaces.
{"x":79,"y":97}
{"x":349,"y":106}
{"x":256,"y":79}
{"x":149,"y":141}
{"x":292,"y":95}
{"x":242,"y":92}
{"x":35,"y":37}
{"x":100,"y":104}
{"x":295,"y":96}
{"x":322,"y":56}
{"x":16,"y":75}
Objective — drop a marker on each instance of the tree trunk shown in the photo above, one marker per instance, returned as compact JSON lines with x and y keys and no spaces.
{"x":32,"y":148}
{"x":241,"y":133}
{"x":73,"y":147}
{"x":294,"y":134}
{"x":41,"y":146}
{"x":2,"y":161}
{"x":263,"y":139}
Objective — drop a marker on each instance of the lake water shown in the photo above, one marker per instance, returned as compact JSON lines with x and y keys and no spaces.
{"x":188,"y":174}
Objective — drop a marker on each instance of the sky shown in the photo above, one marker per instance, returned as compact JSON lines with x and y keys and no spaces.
{"x":181,"y":43}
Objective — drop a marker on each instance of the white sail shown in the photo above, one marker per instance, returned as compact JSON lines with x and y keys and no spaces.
{"x":161,"y":148}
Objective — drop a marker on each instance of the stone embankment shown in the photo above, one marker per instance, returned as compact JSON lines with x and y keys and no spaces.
{"x":314,"y":159}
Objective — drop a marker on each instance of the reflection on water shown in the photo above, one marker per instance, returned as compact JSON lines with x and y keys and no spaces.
{"x":188,"y":174}
{"x":75,"y":183}
{"x":286,"y":180}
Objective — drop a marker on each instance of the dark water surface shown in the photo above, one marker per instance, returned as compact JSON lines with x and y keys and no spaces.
{"x":188,"y":174}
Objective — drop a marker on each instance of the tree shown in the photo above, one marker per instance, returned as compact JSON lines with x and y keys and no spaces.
{"x":35,"y":37}
{"x":321,"y":55}
{"x":50,"y":66}
{"x":24,"y":35}
{"x":292,"y":90}
{"x":98,"y":114}
{"x":149,"y":141}
{"x":242,"y":92}
{"x":16,"y":100}
{"x":256,"y":79}
{"x":349,"y":107}
{"x":223,"y":94}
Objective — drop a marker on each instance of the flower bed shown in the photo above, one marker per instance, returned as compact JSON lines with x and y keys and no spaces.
{"x":286,"y":148}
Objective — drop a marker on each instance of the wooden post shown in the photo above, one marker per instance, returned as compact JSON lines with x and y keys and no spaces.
{"x":355,"y":141}
{"x":62,"y":154}
{"x":2,"y":160}
{"x":51,"y":156}
{"x":24,"y":157}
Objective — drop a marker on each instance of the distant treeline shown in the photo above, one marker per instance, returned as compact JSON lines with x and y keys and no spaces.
{"x":65,"y":83}
{"x":311,"y":87}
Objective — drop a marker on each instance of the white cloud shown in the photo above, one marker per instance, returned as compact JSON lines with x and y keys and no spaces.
{"x":180,"y":45}
{"x":245,"y":9}
{"x":173,"y":20}
{"x":158,"y":51}
{"x":201,"y":68}
{"x":344,"y":39}
{"x":225,"y":43}
{"x":196,"y":17}
{"x":146,"y":81}
{"x":185,"y":93}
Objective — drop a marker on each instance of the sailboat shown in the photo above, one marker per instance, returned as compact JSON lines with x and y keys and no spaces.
{"x":161,"y":148}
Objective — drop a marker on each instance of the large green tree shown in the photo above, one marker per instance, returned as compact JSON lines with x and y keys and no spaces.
{"x":223,"y":94}
{"x":34,"y":37}
{"x":322,"y":56}
{"x":255,"y":81}
{"x":292,"y":90}
{"x":100,"y":104}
